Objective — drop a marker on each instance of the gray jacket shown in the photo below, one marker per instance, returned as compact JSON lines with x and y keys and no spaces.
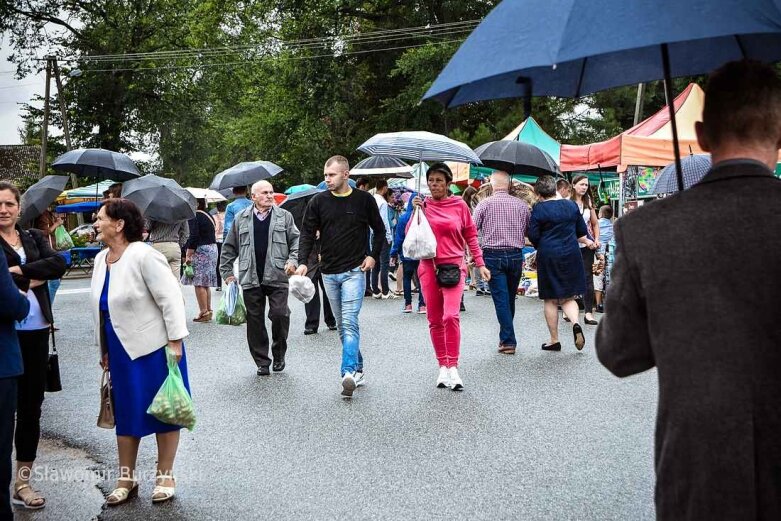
{"x":240,"y":243}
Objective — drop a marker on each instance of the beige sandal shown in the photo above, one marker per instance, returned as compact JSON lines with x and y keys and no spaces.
{"x":160,"y":493}
{"x":122,"y":494}
{"x":34,"y":502}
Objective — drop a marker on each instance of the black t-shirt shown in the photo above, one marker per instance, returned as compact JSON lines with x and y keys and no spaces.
{"x":344,"y":224}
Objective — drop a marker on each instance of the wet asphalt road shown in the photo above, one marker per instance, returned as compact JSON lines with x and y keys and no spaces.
{"x":537,"y":435}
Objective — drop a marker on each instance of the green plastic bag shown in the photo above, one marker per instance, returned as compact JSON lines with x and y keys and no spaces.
{"x":231,"y":311}
{"x":172,"y":403}
{"x":189,"y":271}
{"x":62,"y":239}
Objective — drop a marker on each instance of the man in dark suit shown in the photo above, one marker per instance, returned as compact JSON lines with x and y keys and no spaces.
{"x":695,"y":293}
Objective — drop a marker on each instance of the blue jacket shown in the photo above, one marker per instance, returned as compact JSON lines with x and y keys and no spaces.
{"x":15,"y":307}
{"x":231,"y":211}
{"x":401,"y":231}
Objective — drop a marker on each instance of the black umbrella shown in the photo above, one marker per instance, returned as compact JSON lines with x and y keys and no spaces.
{"x":39,"y":196}
{"x":517,"y":158}
{"x":97,"y":162}
{"x":384,"y":166}
{"x":244,"y":174}
{"x":296,"y":204}
{"x":160,"y":199}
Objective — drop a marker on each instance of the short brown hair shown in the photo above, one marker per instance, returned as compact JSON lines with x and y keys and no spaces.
{"x":742,"y":103}
{"x":128,"y":212}
{"x":8,"y":185}
{"x":341,"y":160}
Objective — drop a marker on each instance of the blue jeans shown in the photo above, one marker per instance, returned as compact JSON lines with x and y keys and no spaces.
{"x":379,"y":278}
{"x":54,"y":285}
{"x":345,"y":292}
{"x":410,"y":267}
{"x":506,"y":267}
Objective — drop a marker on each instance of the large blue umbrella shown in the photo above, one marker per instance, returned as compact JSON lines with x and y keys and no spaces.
{"x":576,"y":47}
{"x":694,"y":167}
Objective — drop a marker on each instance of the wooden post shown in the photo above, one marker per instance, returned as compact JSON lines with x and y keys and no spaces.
{"x":45,"y":124}
{"x":65,"y":126}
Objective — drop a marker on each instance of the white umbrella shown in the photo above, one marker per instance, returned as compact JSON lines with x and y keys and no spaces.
{"x":211,"y":196}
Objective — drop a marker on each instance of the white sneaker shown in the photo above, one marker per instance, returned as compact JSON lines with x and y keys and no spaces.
{"x":389,"y":295}
{"x":455,"y":381}
{"x":348,"y":385}
{"x":359,"y":381}
{"x":443,"y":380}
{"x":377,"y":296}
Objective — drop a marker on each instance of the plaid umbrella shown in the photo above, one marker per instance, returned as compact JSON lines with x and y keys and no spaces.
{"x":694,"y":168}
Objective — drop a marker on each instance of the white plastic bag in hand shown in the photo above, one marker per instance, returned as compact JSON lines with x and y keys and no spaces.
{"x":302,"y":288}
{"x":420,"y":242}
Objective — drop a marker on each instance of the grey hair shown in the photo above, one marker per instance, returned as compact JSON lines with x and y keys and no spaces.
{"x":545,"y":186}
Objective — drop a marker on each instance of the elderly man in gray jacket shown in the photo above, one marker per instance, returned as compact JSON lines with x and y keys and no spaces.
{"x":264,"y":239}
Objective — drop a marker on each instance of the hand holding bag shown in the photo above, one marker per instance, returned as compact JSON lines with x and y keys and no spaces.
{"x":420,"y":242}
{"x":106,"y":414}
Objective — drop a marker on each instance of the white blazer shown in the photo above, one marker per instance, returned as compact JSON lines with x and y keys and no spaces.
{"x":144,"y":300}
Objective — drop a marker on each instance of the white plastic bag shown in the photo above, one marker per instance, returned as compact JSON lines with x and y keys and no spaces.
{"x":420,"y":242}
{"x":302,"y":288}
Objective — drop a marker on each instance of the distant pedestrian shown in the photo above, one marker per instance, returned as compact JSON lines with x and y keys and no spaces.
{"x":555,"y":229}
{"x":451,"y":222}
{"x":219,"y":224}
{"x":312,"y":308}
{"x":234,"y":207}
{"x":138,"y":312}
{"x":563,"y":189}
{"x":201,"y":255}
{"x":264,"y":239}
{"x":409,"y":266}
{"x":169,"y":239}
{"x":379,"y":275}
{"x":707,"y":318}
{"x":48,"y":222}
{"x":343,"y":217}
{"x":501,"y":221}
{"x":606,"y":237}
{"x":582,"y":197}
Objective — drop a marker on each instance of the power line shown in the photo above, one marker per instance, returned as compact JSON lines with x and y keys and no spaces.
{"x":17,"y":86}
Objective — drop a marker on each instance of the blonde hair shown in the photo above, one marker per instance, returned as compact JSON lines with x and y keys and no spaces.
{"x":340,"y":160}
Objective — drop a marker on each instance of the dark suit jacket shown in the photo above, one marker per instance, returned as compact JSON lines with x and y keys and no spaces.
{"x":696,"y":291}
{"x":15,"y":306}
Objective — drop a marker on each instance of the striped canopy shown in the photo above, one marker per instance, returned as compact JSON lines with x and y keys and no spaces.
{"x":419,"y":146}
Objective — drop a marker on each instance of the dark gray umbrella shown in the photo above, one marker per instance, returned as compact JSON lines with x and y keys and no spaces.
{"x":160,"y":199}
{"x":97,"y":162}
{"x":244,"y":174}
{"x":296,"y":203}
{"x":382,"y":166}
{"x":39,"y":196}
{"x":517,"y":158}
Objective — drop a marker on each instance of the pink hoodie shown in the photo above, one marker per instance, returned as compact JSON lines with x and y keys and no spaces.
{"x":454,"y":228}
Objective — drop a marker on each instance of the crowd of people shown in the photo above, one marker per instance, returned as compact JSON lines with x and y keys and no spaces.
{"x":348,"y":243}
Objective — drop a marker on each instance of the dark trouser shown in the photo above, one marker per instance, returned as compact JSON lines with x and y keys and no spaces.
{"x":313,"y":307}
{"x":219,"y":252}
{"x":588,"y":268}
{"x":506,"y":267}
{"x":8,"y":399}
{"x":379,"y":277}
{"x":278,"y":313}
{"x":410,"y":268}
{"x":32,"y":384}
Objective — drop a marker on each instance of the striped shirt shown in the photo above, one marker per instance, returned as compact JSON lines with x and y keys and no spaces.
{"x":502,"y":220}
{"x":162,"y":232}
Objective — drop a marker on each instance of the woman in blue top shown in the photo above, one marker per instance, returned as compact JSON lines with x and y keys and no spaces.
{"x":556,"y":227}
{"x":410,"y":266}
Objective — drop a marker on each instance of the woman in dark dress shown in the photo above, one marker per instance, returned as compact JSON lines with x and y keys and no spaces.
{"x":555,"y":229}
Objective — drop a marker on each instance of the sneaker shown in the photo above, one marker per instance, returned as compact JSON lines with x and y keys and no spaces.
{"x":443,"y":380}
{"x":359,"y":380}
{"x":407,"y":309}
{"x":422,"y":310}
{"x":455,"y":380}
{"x":388,"y":295}
{"x":479,"y":292}
{"x":377,"y":296}
{"x":348,"y":385}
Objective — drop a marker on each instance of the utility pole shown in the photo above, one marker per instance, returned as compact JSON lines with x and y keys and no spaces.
{"x":65,"y":126}
{"x":45,"y":125}
{"x":639,"y":103}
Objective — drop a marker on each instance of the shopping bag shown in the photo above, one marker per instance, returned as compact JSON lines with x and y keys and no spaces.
{"x":172,"y":403}
{"x":231,"y":310}
{"x":187,"y":275}
{"x":62,"y":239}
{"x":420,"y":242}
{"x":302,"y":288}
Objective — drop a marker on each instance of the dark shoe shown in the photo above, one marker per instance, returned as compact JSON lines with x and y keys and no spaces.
{"x":580,"y":339}
{"x":263,"y":371}
{"x":219,"y":289}
{"x":552,"y":347}
{"x":279,"y":366}
{"x":310,"y":331}
{"x":590,"y":322}
{"x":332,"y":327}
{"x":506,"y":350}
{"x":566,"y":318}
{"x":462,"y":308}
{"x":600,"y":308}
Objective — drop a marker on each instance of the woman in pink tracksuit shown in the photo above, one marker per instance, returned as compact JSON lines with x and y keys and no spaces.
{"x":454,"y":229}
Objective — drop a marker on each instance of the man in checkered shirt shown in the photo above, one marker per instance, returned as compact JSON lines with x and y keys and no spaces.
{"x":501,"y":221}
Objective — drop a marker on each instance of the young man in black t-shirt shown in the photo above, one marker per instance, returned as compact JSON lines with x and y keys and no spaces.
{"x":343,"y":217}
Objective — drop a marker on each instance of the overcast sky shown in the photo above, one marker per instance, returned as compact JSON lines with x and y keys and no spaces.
{"x":13,"y":93}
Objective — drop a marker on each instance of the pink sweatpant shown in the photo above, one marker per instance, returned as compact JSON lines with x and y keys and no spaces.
{"x":442,"y":311}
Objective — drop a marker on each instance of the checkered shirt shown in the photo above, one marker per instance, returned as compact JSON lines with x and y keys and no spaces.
{"x":502,"y":220}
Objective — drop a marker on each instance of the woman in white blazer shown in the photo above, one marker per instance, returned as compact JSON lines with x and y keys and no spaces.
{"x":138,"y":310}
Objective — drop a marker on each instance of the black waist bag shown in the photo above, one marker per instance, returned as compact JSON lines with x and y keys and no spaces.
{"x":448,"y":275}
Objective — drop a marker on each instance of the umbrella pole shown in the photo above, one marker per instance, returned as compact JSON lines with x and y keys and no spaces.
{"x":668,"y":89}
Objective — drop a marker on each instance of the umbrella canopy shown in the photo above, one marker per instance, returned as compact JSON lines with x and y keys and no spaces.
{"x":160,"y":199}
{"x":97,"y":162}
{"x":296,"y":203}
{"x":516,"y":158}
{"x":89,"y":206}
{"x":298,"y":188}
{"x":245,"y":174}
{"x":39,"y":196}
{"x":323,"y":186}
{"x":694,"y":167}
{"x":419,"y":146}
{"x":211,"y":196}
{"x":386,"y":166}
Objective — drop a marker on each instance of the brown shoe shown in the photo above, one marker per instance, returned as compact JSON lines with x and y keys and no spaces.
{"x":506,"y":350}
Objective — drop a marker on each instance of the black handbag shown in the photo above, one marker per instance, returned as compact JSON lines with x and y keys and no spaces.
{"x":53,"y":383}
{"x":448,"y":275}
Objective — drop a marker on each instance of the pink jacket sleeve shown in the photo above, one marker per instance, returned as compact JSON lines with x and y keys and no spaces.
{"x":470,"y":236}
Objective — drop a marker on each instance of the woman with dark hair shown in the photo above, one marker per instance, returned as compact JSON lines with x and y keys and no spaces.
{"x":582,"y":198}
{"x":201,"y":254}
{"x":139,"y":314}
{"x":451,"y":222}
{"x":31,"y":262}
{"x":555,"y":229}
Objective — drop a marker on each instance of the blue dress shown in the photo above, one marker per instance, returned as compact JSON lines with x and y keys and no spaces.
{"x":135,"y":382}
{"x":554,"y":229}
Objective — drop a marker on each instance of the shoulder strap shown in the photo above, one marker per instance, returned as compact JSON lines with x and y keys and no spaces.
{"x":210,"y":218}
